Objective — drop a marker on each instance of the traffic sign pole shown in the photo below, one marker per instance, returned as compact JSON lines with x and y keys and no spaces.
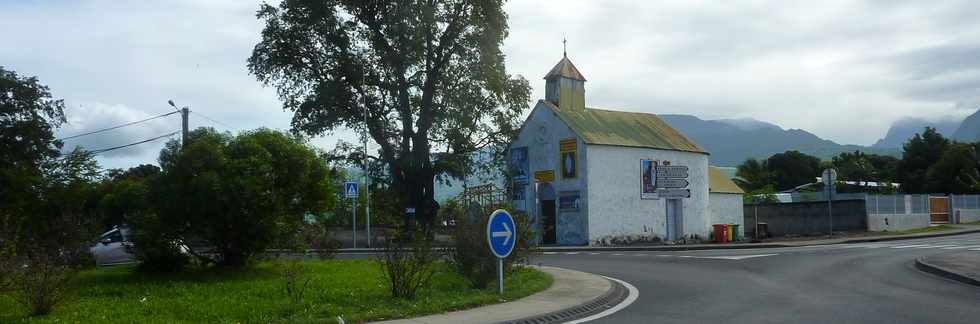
{"x":350,"y":190}
{"x":501,"y":238}
{"x":500,"y":276}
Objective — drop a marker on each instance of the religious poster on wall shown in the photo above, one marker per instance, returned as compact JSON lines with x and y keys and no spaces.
{"x":569,"y":160}
{"x":648,"y":179}
{"x":518,"y":195}
{"x":519,"y":164}
{"x":569,"y":201}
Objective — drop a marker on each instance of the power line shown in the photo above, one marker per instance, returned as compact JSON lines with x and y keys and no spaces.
{"x":100,"y":151}
{"x":118,"y":126}
{"x":213,"y":120}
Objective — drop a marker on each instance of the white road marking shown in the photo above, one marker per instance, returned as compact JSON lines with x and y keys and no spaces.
{"x":594,"y":253}
{"x":729,"y":257}
{"x":909,"y":246}
{"x":571,"y":253}
{"x":962,"y":247}
{"x":664,"y":255}
{"x":640,"y":254}
{"x":550,"y":253}
{"x":935,"y":246}
{"x":617,"y":254}
{"x":973,"y":250}
{"x":633,"y":295}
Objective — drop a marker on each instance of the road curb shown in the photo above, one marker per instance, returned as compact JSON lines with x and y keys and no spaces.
{"x":573,"y":295}
{"x":900,"y":237}
{"x":616,"y":294}
{"x":925,"y":266}
{"x":746,"y":245}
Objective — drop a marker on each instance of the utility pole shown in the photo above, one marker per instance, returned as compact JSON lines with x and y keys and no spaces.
{"x":367,"y":177}
{"x":184,"y":112}
{"x":183,"y":135}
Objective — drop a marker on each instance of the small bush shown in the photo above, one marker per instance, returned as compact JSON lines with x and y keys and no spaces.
{"x":296,"y":280}
{"x":470,"y":255}
{"x":42,"y":283}
{"x":407,"y":265}
{"x":156,"y":244}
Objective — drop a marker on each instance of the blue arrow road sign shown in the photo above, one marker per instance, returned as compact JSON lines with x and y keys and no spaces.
{"x":350,"y":188}
{"x":501,"y":233}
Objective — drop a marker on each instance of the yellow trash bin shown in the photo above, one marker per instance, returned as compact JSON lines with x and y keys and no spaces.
{"x":731,"y":232}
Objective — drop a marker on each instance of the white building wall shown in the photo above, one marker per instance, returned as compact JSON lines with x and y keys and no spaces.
{"x":543,"y":154}
{"x":897,"y":222}
{"x":615,"y":210}
{"x":726,"y":208}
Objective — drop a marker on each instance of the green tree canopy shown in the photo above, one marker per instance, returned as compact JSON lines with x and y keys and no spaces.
{"x":239,"y":193}
{"x":920,"y":153}
{"x":28,"y":115}
{"x":956,"y":171}
{"x":430,"y":75}
{"x":792,"y":168}
{"x":860,"y":166}
{"x":752,"y":175}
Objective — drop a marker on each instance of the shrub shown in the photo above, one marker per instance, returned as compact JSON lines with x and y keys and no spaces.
{"x":407,"y":265}
{"x":239,"y":193}
{"x":43,"y":282}
{"x":470,"y":256}
{"x":156,"y":244}
{"x":295,"y":279}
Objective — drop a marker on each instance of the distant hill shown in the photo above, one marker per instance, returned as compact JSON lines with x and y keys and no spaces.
{"x":969,"y":129}
{"x":903,"y":129}
{"x":731,"y":141}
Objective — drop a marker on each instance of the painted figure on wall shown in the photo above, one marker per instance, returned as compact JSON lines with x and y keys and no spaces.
{"x":648,"y":185}
{"x":519,"y":164}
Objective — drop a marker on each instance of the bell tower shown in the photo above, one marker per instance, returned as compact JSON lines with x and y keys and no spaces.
{"x":565,"y":85}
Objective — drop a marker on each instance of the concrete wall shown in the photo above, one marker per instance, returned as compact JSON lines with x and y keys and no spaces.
{"x":616,"y":212}
{"x":543,"y":154}
{"x":968,"y":215}
{"x":804,"y":218}
{"x":897,"y":222}
{"x":726,"y":208}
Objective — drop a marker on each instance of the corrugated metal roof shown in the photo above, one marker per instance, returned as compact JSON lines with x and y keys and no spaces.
{"x":719,"y":182}
{"x":566,"y":69}
{"x":608,"y":127}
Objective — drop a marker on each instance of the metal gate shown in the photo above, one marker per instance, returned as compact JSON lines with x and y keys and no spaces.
{"x":939,"y":210}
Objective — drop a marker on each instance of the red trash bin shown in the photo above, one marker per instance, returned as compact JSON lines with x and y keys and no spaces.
{"x":721,"y":233}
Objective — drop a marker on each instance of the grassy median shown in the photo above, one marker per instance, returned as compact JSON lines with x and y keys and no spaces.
{"x":353,"y":289}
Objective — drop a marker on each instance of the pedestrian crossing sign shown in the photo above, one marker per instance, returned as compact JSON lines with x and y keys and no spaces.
{"x":350,"y":188}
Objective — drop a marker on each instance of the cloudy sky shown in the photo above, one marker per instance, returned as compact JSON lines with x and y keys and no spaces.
{"x":844,"y":70}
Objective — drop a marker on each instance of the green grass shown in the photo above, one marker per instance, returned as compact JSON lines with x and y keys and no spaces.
{"x":354,"y":289}
{"x":921,"y":230}
{"x":972,"y":223}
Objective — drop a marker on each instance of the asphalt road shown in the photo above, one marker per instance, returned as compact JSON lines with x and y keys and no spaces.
{"x":845,"y":283}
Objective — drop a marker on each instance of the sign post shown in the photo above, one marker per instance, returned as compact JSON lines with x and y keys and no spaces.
{"x":501,"y":237}
{"x":829,"y":180}
{"x":350,"y":190}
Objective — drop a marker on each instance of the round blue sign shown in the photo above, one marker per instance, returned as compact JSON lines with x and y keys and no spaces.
{"x":501,"y":233}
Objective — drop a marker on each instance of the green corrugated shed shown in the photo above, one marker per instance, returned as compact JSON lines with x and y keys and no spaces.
{"x":608,"y":127}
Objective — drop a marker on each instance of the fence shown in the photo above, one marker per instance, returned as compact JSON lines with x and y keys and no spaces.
{"x":897,"y":204}
{"x":806,"y":218}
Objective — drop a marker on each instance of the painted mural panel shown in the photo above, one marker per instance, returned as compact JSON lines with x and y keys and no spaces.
{"x":571,"y":221}
{"x":519,"y":165}
{"x":648,"y":179}
{"x":569,"y":159}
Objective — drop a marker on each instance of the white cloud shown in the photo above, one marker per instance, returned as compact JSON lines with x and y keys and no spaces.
{"x":843,"y":70}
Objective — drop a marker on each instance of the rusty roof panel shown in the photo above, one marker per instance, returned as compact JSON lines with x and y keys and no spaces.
{"x":720,"y":182}
{"x":566,"y":69}
{"x":608,"y":127}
